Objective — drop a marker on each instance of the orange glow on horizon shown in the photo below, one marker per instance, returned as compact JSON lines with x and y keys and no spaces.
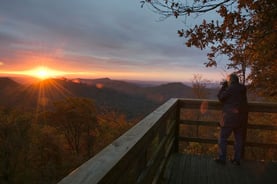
{"x":42,"y":72}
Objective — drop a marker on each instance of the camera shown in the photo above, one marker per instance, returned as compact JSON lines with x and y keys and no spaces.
{"x":224,"y":83}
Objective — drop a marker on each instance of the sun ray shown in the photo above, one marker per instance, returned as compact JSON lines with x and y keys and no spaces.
{"x":49,"y":91}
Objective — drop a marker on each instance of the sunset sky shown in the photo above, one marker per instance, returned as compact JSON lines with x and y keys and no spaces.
{"x":92,"y":39}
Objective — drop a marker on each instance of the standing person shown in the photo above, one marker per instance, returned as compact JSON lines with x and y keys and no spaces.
{"x":233,"y":97}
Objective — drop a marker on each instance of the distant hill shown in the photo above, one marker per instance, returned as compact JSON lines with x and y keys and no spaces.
{"x":6,"y":82}
{"x":120,"y":86}
{"x":158,"y":93}
{"x":170,"y":90}
{"x":129,"y":98}
{"x":8,"y":88}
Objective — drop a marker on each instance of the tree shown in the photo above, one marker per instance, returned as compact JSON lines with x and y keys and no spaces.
{"x":14,"y":144}
{"x":199,"y":86}
{"x":199,"y":89}
{"x":76,"y":119}
{"x":112,"y":124}
{"x":246,"y":32}
{"x":46,"y":155}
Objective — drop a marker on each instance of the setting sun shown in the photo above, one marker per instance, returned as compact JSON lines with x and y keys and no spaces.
{"x":43,"y":72}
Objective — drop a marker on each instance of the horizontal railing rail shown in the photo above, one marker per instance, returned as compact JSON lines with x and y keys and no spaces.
{"x":214,"y":141}
{"x":253,"y":107}
{"x":140,"y":155}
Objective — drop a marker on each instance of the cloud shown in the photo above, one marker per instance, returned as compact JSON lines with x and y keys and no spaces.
{"x":104,"y":35}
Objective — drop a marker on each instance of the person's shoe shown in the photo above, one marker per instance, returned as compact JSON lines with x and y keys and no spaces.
{"x":235,"y":162}
{"x":220,"y":161}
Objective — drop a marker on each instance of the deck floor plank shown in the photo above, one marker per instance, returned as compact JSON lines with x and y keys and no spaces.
{"x":201,"y":169}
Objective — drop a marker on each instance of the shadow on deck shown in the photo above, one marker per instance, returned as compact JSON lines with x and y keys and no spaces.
{"x":201,"y":169}
{"x":150,"y":152}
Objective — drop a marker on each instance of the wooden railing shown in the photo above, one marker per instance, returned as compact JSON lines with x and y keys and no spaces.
{"x":210,"y":105}
{"x":140,"y":155}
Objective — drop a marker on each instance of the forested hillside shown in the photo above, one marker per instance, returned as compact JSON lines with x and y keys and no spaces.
{"x":50,"y":127}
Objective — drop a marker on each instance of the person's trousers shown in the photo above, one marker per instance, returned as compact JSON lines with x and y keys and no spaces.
{"x":225,"y":133}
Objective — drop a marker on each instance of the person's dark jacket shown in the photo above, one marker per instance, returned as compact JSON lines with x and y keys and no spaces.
{"x":234,"y":102}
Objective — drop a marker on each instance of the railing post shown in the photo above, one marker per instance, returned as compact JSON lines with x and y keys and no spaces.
{"x":176,"y":144}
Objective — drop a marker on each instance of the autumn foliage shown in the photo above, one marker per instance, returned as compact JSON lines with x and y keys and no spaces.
{"x":243,"y":30}
{"x":44,"y":146}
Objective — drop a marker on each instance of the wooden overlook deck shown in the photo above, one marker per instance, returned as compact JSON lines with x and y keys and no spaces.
{"x":156,"y":150}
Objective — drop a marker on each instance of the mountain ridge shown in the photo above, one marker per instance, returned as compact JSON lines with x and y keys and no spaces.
{"x":125,"y":97}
